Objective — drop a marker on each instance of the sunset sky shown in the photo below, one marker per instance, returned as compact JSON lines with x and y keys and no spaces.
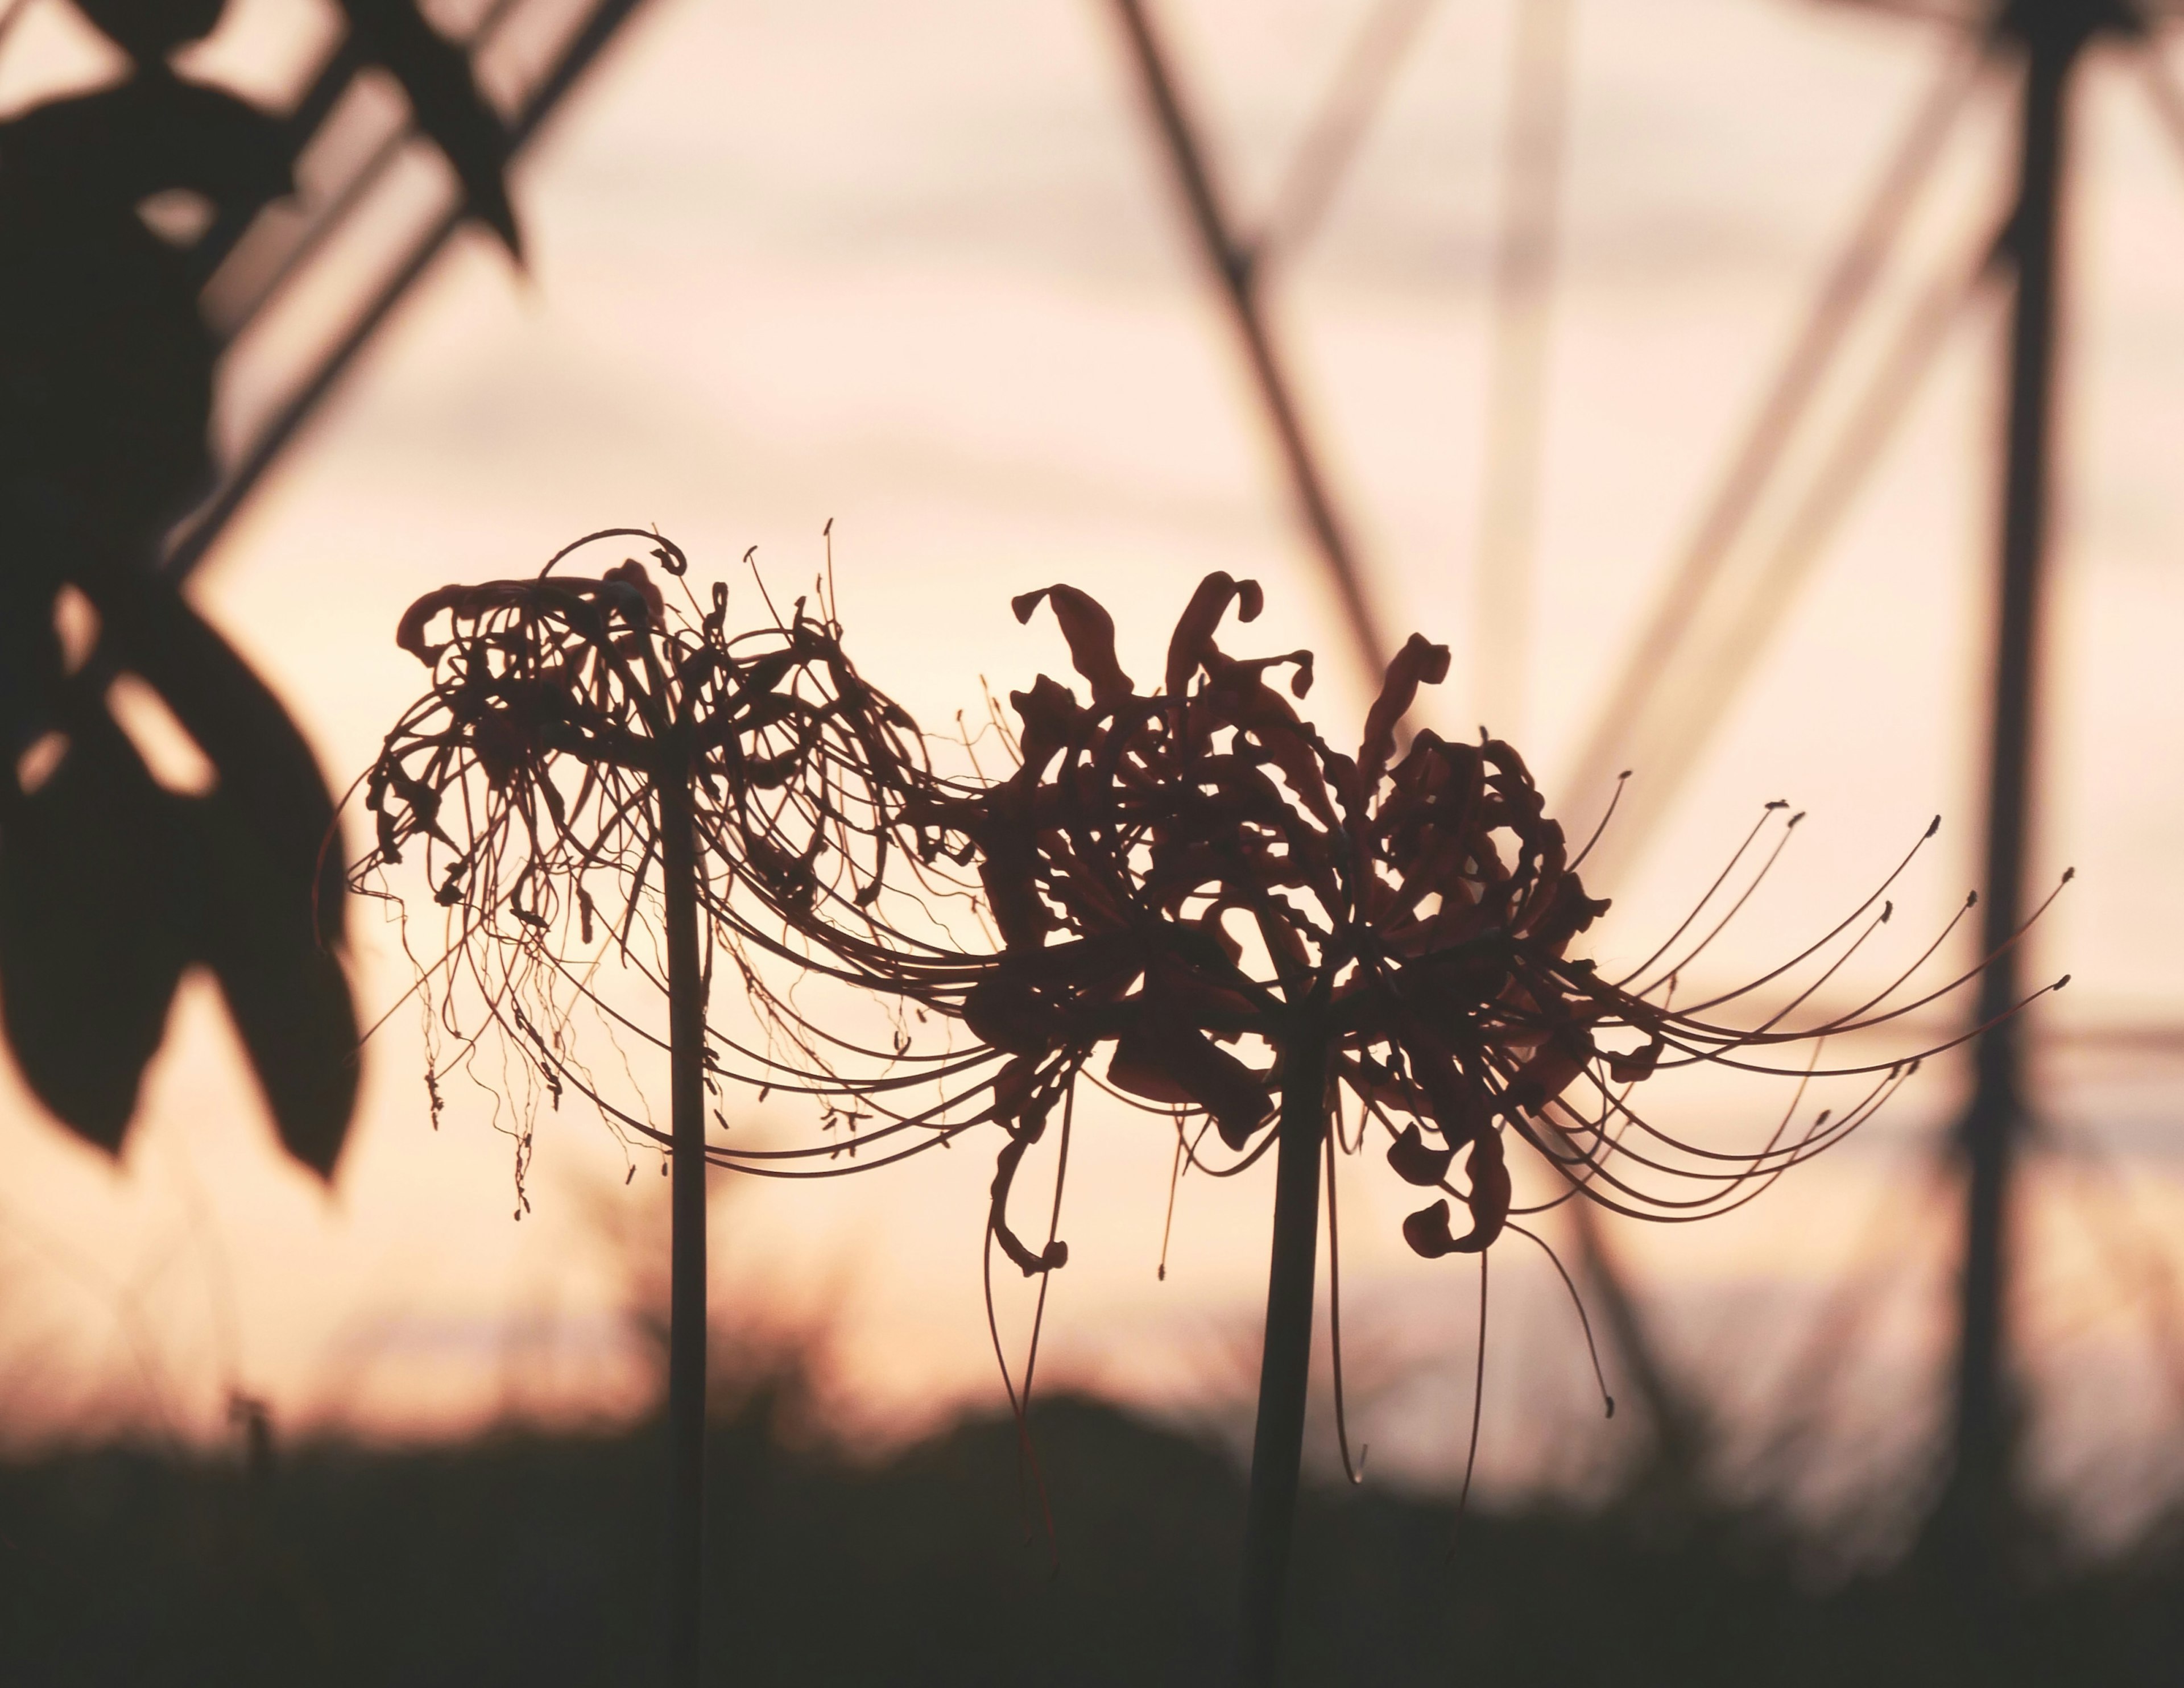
{"x":918,"y":270}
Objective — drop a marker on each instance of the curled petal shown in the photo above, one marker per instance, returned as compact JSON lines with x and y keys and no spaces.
{"x":1004,"y":1014}
{"x":631,"y":573}
{"x":1194,"y":630}
{"x":1568,"y":911}
{"x":409,"y":633}
{"x":1417,"y":663}
{"x":1090,"y":632}
{"x":1162,"y":1060}
{"x":1056,"y":1254}
{"x":1553,"y":1069}
{"x":1415,"y":1161}
{"x":1050,"y":717}
{"x":1427,"y":1231}
{"x":1489,"y":1200}
{"x":1633,"y":1065}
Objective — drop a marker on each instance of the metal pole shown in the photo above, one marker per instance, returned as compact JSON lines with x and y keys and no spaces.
{"x":1976,"y":1508}
{"x":686,"y":1349}
{"x":1284,"y":1362}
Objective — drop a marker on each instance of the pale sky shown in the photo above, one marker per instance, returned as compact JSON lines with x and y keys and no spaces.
{"x":917,"y":271}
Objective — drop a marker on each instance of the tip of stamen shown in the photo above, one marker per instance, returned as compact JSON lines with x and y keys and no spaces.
{"x":1971,"y":899}
{"x":1610,"y":1399}
{"x":2063,"y":981}
{"x":2069,"y":874}
{"x":1779,"y":803}
{"x":1933,"y":826}
{"x":1886,"y":910}
{"x":1797,"y":817}
{"x":1625,"y":775}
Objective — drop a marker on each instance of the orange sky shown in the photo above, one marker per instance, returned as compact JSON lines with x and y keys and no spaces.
{"x":916,"y":270}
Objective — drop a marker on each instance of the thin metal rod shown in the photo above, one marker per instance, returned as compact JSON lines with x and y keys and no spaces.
{"x":351,"y":192}
{"x":686,"y":1340}
{"x":1322,"y":158}
{"x":317,"y":104}
{"x":1229,"y":263}
{"x":190,"y":548}
{"x":1722,"y":646}
{"x":1986,"y":1420}
{"x":1516,"y":406}
{"x":1658,"y":651}
{"x":1284,"y":1362}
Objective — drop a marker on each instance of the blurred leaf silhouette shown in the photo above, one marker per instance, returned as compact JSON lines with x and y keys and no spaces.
{"x":111,"y":883}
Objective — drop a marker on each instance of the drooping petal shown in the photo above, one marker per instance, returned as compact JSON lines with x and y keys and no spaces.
{"x":1162,"y":1060}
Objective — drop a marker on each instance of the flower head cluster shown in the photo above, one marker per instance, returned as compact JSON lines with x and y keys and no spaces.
{"x":1193,"y":879}
{"x":1189,"y":887}
{"x":529,"y":782}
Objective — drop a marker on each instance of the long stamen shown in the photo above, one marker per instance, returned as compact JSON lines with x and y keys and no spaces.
{"x":1356,"y":1472}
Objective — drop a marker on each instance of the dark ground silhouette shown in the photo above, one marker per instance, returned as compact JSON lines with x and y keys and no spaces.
{"x":528,"y":1559}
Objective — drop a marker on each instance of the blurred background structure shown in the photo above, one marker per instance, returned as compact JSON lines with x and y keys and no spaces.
{"x":1689,"y":365}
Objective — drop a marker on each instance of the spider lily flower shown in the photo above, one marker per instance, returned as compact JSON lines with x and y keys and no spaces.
{"x":598,"y":775}
{"x":1187,"y":894}
{"x":1194,"y":881}
{"x":1262,"y":931}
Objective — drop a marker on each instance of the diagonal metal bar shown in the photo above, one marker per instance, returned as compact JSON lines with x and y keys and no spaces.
{"x":1720,"y":642}
{"x":1523,"y":275}
{"x":317,"y":104}
{"x":352,"y":192}
{"x":1659,"y":649}
{"x":1229,"y":263}
{"x":1323,"y":157}
{"x":189,"y":549}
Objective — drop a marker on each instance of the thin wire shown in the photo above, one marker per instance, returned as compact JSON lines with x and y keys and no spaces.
{"x":1361,"y":85}
{"x":1478,"y":1401}
{"x":1355,"y":1473}
{"x":1591,"y":1347}
{"x":1841,"y":297}
{"x":1174,"y":1175}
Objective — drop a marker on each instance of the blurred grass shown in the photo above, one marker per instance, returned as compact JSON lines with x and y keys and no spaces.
{"x":529,"y":1558}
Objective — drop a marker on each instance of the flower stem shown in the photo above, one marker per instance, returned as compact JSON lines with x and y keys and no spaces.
{"x":686,"y":1342}
{"x":1285,"y":1364}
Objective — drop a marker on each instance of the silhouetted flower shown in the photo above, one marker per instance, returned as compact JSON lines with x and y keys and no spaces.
{"x":528,"y":781}
{"x":1195,"y":879}
{"x":1259,"y":931}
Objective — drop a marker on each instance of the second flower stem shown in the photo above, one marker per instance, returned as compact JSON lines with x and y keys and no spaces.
{"x":1285,"y":1363}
